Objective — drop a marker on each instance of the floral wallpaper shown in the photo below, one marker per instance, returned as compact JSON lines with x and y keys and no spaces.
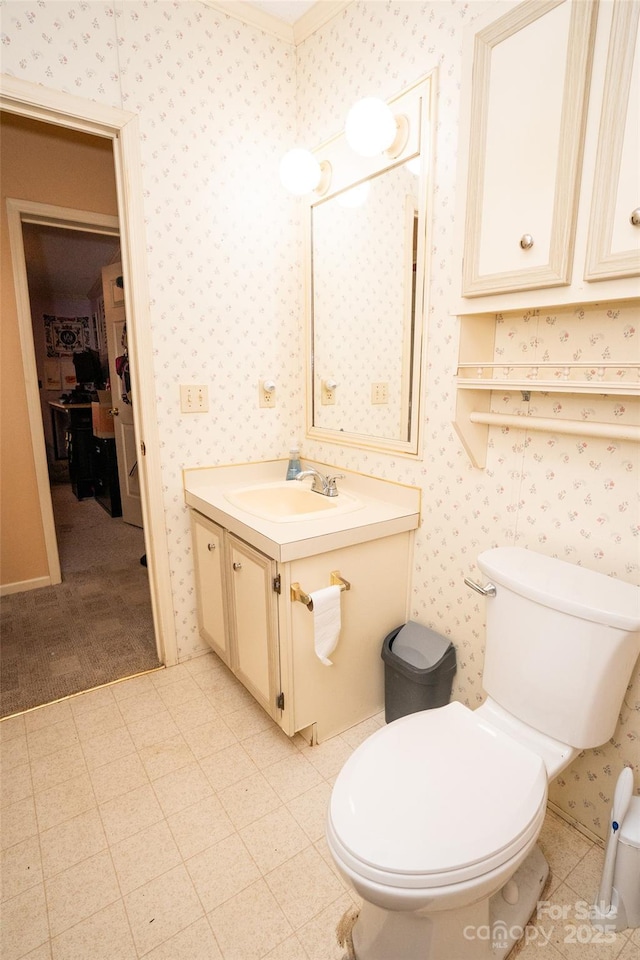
{"x":218,"y":103}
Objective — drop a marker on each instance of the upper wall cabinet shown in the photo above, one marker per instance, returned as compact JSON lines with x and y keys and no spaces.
{"x":549,"y":156}
{"x":528,"y":112}
{"x":614,"y":230}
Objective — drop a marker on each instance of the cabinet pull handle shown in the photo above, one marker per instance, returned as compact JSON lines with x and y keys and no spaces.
{"x":237,"y":565}
{"x":634,"y":219}
{"x":526,"y":241}
{"x":211,"y":546}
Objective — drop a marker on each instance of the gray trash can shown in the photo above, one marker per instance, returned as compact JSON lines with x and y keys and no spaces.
{"x":418,"y":672}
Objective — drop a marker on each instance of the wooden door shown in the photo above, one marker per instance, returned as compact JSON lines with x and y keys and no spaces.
{"x":121,"y":397}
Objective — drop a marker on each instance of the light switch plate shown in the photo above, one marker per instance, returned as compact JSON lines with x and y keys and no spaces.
{"x":380,"y":392}
{"x":194,"y":398}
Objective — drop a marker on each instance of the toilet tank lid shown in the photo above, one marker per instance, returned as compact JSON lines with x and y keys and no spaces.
{"x":564,"y":586}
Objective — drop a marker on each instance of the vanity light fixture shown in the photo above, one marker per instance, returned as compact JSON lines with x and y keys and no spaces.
{"x":372,"y":128}
{"x":301,"y":172}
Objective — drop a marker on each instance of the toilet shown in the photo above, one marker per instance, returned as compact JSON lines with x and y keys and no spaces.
{"x":434,"y":819}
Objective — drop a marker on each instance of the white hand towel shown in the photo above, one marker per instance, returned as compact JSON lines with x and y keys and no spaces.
{"x":326,"y":622}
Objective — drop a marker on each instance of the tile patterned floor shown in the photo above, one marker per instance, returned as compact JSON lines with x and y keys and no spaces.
{"x":167,"y":817}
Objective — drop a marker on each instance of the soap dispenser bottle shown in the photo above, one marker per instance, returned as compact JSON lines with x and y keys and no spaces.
{"x":294,"y":467}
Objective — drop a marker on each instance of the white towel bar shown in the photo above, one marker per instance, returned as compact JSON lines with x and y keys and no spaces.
{"x":581,"y":428}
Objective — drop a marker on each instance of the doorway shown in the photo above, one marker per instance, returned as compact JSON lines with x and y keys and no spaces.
{"x":121,"y":131}
{"x":96,"y":625}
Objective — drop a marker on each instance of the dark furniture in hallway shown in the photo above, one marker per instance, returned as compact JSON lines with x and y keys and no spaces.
{"x":92,"y":461}
{"x":73,"y":439}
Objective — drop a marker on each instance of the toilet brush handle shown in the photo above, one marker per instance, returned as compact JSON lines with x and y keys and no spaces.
{"x":621,"y":801}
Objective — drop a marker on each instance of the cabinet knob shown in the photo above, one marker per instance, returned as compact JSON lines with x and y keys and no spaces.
{"x":526,"y":241}
{"x":211,"y":546}
{"x":237,"y":565}
{"x":114,"y":412}
{"x":634,"y":219}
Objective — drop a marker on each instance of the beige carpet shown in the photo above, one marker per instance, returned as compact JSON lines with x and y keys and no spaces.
{"x":94,"y":627}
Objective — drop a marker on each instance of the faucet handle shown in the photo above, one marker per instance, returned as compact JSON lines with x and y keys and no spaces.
{"x":331,"y":483}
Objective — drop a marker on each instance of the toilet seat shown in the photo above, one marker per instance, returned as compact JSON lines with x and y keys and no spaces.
{"x":436,"y":798}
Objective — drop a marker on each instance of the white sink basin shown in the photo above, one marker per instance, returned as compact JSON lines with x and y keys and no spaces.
{"x":288,"y":500}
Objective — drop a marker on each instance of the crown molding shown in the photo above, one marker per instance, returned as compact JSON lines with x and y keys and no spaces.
{"x":312,"y":20}
{"x":320,"y":13}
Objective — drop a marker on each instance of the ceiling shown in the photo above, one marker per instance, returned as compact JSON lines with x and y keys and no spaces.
{"x":65,"y":263}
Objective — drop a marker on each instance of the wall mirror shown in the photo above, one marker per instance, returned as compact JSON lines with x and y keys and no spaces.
{"x":366,"y":279}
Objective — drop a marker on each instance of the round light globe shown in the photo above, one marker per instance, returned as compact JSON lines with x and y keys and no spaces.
{"x":370,"y":127}
{"x":300,"y":172}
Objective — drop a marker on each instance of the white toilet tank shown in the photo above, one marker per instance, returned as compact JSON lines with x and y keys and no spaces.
{"x":561,"y":644}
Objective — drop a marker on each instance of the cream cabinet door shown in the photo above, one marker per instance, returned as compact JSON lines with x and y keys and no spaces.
{"x":527,"y":117}
{"x":614,"y":225}
{"x":208,"y":544}
{"x":254,"y":624}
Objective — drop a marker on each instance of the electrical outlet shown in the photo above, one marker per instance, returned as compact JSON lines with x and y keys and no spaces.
{"x":194,"y":398}
{"x":328,"y":393}
{"x":267,"y":393}
{"x":380,"y":392}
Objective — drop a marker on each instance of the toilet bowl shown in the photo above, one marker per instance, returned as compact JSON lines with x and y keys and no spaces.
{"x":433,"y":820}
{"x":445,"y":788}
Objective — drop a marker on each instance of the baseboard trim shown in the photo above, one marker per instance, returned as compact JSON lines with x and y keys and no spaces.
{"x":22,"y":585}
{"x":580,"y":827}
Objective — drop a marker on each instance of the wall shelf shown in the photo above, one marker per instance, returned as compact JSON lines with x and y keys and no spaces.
{"x":476,"y":381}
{"x":606,"y":379}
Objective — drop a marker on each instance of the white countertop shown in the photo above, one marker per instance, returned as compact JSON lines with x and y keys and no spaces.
{"x":385,"y":508}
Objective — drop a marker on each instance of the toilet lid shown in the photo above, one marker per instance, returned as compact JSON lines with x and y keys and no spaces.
{"x":439,"y":795}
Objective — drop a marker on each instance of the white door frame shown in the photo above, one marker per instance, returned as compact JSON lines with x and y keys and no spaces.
{"x":39,"y":103}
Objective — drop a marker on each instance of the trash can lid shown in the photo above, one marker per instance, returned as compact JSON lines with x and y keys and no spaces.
{"x":418,"y":645}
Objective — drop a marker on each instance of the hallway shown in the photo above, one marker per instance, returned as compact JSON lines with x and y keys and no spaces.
{"x":94,"y":627}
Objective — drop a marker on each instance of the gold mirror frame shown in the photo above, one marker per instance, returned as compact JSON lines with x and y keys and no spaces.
{"x":417,"y":104}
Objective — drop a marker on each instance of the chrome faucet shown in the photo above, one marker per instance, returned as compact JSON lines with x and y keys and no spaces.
{"x":321,"y":484}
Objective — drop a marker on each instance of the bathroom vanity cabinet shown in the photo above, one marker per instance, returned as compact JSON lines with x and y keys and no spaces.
{"x":247,"y":615}
{"x":248,"y":586}
{"x":237,"y":608}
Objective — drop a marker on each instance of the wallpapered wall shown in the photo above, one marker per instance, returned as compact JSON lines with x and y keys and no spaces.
{"x":217,"y":107}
